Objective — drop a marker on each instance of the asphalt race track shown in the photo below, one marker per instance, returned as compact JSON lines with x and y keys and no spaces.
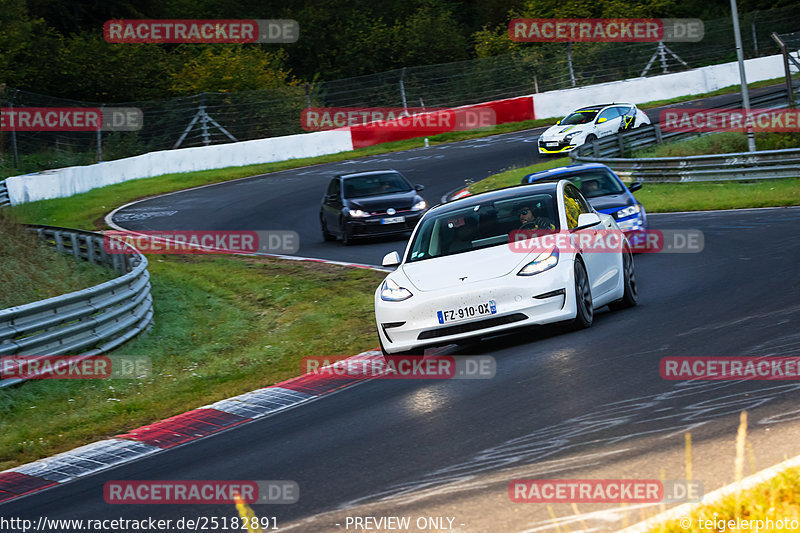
{"x":562,"y":404}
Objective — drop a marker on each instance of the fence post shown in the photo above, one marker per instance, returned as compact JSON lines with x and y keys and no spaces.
{"x":403,"y":88}
{"x":569,"y":63}
{"x":100,"y":139}
{"x":787,"y":70}
{"x":14,"y":132}
{"x":204,"y":122}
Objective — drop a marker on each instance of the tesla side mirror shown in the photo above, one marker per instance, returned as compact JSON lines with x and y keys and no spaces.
{"x":601,"y":120}
{"x":391,"y":259}
{"x":587,"y":220}
{"x":635,"y":186}
{"x":419,"y":187}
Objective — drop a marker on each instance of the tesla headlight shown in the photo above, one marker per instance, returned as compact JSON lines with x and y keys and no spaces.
{"x":544,"y":261}
{"x":419,"y":206}
{"x":392,"y":292}
{"x":358,"y":213}
{"x":628,"y":211}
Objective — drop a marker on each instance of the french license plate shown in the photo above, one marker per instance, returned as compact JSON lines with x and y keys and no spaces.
{"x":470,"y":311}
{"x":393,"y":220}
{"x":551,"y":145}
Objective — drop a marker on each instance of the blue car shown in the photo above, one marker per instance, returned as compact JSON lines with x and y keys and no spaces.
{"x":605,"y":191}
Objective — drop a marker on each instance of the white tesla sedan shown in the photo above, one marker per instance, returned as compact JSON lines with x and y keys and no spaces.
{"x":464,"y":273}
{"x":589,"y":123}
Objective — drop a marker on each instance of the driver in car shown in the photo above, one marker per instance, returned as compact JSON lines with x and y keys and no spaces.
{"x":530,"y":221}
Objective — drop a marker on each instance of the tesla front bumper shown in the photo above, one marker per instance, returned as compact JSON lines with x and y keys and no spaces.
{"x":518,"y":301}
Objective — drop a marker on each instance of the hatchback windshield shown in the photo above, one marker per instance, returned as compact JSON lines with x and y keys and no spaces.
{"x":580,"y":117}
{"x":596,"y":183}
{"x":374,"y":185}
{"x":481,"y":226}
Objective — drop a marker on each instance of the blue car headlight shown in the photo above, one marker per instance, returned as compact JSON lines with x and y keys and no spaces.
{"x":628,"y":211}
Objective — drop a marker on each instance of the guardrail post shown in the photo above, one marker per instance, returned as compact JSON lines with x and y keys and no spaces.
{"x":59,"y":242}
{"x":595,"y":148}
{"x":621,"y":145}
{"x":659,"y":137}
{"x":76,"y":247}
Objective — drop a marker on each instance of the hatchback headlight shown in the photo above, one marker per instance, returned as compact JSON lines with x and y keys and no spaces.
{"x":628,"y":211}
{"x":544,"y":261}
{"x":419,"y":206}
{"x":358,"y":213}
{"x":392,"y":292}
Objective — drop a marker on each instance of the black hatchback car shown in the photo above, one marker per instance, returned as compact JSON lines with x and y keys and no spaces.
{"x":374,"y":203}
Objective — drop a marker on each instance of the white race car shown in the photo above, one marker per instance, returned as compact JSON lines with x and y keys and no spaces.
{"x":461,"y":275}
{"x":589,"y":123}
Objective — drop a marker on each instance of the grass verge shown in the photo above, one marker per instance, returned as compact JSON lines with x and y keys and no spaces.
{"x":224,"y":325}
{"x":775,"y":499}
{"x":33,"y":271}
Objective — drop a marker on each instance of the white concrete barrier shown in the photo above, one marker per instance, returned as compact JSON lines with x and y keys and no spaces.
{"x":63,"y":182}
{"x":639,"y":90}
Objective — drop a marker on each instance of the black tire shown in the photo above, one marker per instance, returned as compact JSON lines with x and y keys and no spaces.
{"x":326,"y":235}
{"x":589,"y":138}
{"x":347,"y":239}
{"x":631,"y":296}
{"x":583,"y":298}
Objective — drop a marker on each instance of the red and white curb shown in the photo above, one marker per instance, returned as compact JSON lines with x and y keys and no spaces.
{"x":177,"y":430}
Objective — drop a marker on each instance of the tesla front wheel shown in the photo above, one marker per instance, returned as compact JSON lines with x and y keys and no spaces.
{"x":583,"y":298}
{"x":631,"y":296}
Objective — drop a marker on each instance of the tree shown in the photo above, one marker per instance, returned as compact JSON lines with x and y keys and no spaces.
{"x":230,"y":68}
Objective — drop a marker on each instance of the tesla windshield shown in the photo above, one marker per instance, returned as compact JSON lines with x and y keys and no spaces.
{"x":374,"y":185}
{"x":481,"y":226}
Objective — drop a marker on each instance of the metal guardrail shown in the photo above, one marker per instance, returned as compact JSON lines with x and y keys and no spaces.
{"x":767,"y":164}
{"x":86,"y":322}
{"x":611,"y":151}
{"x":5,"y":201}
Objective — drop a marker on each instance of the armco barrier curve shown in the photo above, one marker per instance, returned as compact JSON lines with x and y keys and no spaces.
{"x":89,"y":321}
